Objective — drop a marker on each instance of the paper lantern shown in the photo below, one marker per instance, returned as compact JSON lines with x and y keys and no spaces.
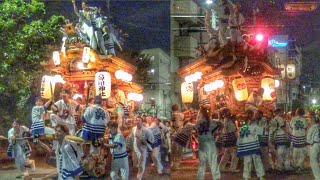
{"x":119,"y":74}
{"x":240,"y":89}
{"x":86,"y":56}
{"x":103,"y":84}
{"x":47,"y":87}
{"x":291,"y":71}
{"x":219,"y":83}
{"x":188,"y":79}
{"x":268,"y":84}
{"x":56,"y":58}
{"x":283,"y":71}
{"x":276,"y":83}
{"x":187,"y":92}
{"x":139,"y":97}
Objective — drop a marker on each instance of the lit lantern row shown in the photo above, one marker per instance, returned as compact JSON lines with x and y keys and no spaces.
{"x":48,"y":84}
{"x":268,"y":84}
{"x":124,"y":76}
{"x":103,"y":84}
{"x":193,"y":77}
{"x":187,"y":92}
{"x":85,"y":57}
{"x":289,"y":70}
{"x":213,"y":85}
{"x":241,"y":90}
{"x":135,"y":97}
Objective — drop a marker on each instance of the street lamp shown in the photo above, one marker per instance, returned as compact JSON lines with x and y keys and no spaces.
{"x":314,"y":101}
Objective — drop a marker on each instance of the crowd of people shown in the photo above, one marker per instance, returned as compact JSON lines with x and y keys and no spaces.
{"x":147,"y":136}
{"x":272,"y":141}
{"x":275,"y":141}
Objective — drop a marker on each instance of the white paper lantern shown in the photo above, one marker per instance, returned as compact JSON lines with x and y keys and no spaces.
{"x":58,"y":79}
{"x":268,"y":85}
{"x":103,"y":84}
{"x":139,"y":97}
{"x":86,"y":55}
{"x":47,"y":87}
{"x":283,"y":71}
{"x":276,"y":83}
{"x":188,"y":79}
{"x":56,"y":58}
{"x":291,"y":71}
{"x":119,"y":74}
{"x":187,"y":92}
{"x":207,"y":88}
{"x":198,"y":75}
{"x":240,"y":89}
{"x":219,"y":83}
{"x":130,"y":96}
{"x":129,"y":78}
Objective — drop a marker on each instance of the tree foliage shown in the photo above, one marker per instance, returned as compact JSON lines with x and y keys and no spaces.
{"x":142,"y":62}
{"x":25,"y":37}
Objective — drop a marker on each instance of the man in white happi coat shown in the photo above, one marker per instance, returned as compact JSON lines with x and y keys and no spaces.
{"x":249,"y":149}
{"x":68,"y":155}
{"x":95,"y":120}
{"x":254,"y":100}
{"x":207,"y":150}
{"x":224,"y":11}
{"x":299,"y":125}
{"x":110,"y":41}
{"x":155,"y":154}
{"x":38,"y":111}
{"x":313,"y":138}
{"x":229,"y":142}
{"x":236,"y":19}
{"x":19,"y":148}
{"x":116,"y":103}
{"x":263,"y":139}
{"x":279,"y":136}
{"x":142,"y":142}
{"x":91,"y":25}
{"x":66,"y":111}
{"x":117,"y":145}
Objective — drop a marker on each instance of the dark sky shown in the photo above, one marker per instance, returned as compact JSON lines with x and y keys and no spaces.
{"x":146,"y":22}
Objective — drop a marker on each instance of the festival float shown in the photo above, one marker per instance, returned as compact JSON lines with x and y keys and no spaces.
{"x":228,"y":71}
{"x":86,"y":72}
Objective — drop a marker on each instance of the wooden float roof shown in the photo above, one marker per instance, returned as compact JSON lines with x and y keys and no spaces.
{"x":220,"y":63}
{"x":70,"y":72}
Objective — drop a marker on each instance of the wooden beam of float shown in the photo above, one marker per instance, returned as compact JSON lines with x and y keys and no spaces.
{"x":193,"y":67}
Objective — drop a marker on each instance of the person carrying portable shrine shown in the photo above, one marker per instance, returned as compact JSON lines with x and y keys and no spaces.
{"x":142,"y":140}
{"x":165,"y":138}
{"x":207,"y":150}
{"x":299,"y":126}
{"x":116,"y":103}
{"x":229,"y":141}
{"x":255,"y":100}
{"x":68,"y":155}
{"x":117,"y":145}
{"x":249,"y":148}
{"x":38,"y":111}
{"x":155,"y":153}
{"x":19,"y":148}
{"x":263,"y":139}
{"x":313,"y":139}
{"x":66,"y":110}
{"x":277,"y":133}
{"x":95,"y":120}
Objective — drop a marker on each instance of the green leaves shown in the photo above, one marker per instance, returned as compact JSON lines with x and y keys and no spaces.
{"x":25,"y":36}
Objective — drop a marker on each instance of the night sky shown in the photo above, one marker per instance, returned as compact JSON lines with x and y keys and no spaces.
{"x":146,"y":22}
